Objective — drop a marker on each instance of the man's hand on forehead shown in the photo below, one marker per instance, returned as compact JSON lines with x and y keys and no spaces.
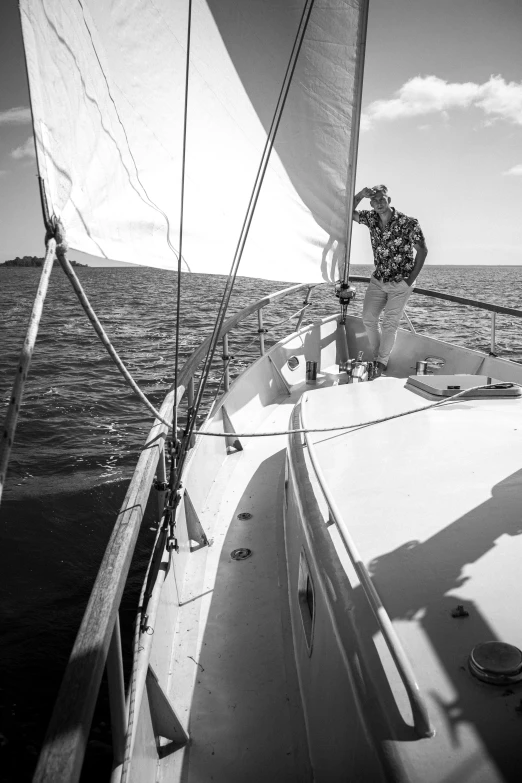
{"x":381,"y":190}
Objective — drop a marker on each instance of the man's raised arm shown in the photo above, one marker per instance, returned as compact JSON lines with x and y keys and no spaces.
{"x":364,"y":193}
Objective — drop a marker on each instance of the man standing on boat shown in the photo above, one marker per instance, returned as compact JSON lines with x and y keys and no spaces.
{"x":394,"y":238}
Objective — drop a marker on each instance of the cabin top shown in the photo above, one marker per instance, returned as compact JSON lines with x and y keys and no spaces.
{"x":433,"y":503}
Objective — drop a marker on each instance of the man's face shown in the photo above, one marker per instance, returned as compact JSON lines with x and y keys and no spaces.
{"x":379,"y":201}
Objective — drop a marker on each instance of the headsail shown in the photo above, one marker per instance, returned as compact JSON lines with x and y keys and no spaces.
{"x":107,"y":93}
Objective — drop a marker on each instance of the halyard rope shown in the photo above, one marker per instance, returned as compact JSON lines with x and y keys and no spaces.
{"x":358,"y":425}
{"x":26,"y":353}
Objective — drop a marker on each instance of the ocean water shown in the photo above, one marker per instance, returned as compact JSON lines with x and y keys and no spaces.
{"x":80,"y":432}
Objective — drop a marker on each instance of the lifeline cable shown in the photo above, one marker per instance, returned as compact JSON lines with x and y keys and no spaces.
{"x":247,"y":222}
{"x":358,"y":425}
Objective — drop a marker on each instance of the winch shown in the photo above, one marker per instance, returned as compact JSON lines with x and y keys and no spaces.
{"x":357,"y":369}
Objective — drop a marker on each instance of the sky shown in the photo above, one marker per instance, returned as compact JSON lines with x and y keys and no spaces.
{"x":441,"y":127}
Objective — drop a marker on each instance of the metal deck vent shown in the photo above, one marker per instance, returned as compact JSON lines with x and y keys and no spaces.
{"x":496,"y":663}
{"x":240,"y":554}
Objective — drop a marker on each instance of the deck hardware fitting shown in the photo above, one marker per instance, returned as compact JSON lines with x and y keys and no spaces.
{"x":195,"y":529}
{"x":232,"y":443}
{"x":496,"y":663}
{"x":240,"y":554}
{"x":244,"y":515}
{"x":459,"y":612}
{"x":143,"y":624}
{"x":435,"y":363}
{"x":279,"y":374}
{"x":164,"y":719}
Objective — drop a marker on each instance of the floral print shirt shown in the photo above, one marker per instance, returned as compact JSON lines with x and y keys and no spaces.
{"x":393,"y":245}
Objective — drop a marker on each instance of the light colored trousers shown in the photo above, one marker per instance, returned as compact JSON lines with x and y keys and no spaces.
{"x":390,"y":300}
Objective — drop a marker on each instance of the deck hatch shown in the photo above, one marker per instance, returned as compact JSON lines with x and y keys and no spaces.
{"x":448,"y":385}
{"x":306,"y":600}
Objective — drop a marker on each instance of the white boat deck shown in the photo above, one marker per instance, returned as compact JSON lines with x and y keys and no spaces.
{"x":433,"y":502}
{"x":234,"y":671}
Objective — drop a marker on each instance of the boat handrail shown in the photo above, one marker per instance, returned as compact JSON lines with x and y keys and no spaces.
{"x":421,"y":720}
{"x":65,"y":742}
{"x":493,"y":308}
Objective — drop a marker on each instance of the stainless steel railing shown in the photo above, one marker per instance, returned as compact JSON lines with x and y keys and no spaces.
{"x":489,"y":307}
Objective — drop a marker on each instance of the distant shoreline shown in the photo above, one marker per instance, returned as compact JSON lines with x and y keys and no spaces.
{"x":14,"y":264}
{"x":31,"y":262}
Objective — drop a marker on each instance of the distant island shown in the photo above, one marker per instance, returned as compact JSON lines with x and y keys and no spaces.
{"x":33,"y":261}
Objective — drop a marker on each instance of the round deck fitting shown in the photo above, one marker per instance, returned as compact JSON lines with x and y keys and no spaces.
{"x":496,"y":663}
{"x":240,"y":554}
{"x":244,"y":515}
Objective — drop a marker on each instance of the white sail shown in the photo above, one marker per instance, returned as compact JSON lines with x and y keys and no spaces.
{"x":107,"y":83}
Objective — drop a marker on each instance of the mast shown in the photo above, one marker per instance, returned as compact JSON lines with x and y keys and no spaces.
{"x":354,"y":136}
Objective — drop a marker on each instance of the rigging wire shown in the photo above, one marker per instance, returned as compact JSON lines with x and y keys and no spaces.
{"x":182,"y":206}
{"x":246,"y":226}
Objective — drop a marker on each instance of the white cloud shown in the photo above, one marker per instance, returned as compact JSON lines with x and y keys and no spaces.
{"x":366,"y":123}
{"x":25,"y":150}
{"x":3,"y":172}
{"x":421,"y":95}
{"x":19,"y":115}
{"x":515,"y":171}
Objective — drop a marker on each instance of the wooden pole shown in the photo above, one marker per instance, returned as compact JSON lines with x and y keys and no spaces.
{"x":15,"y":400}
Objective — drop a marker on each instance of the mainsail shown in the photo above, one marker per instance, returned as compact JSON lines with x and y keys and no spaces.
{"x":107,"y":84}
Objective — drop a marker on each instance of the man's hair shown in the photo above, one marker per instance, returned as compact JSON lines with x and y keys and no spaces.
{"x":381,"y":188}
